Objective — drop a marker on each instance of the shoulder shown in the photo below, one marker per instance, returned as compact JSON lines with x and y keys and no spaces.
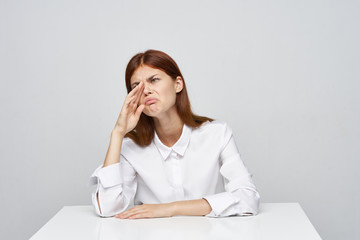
{"x":129,"y":143}
{"x":216,"y":125}
{"x":214,"y":128}
{"x":211,"y":136}
{"x":129,"y":148}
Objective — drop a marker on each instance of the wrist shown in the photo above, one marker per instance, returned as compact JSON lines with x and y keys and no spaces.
{"x":173,"y":206}
{"x":117,"y":132}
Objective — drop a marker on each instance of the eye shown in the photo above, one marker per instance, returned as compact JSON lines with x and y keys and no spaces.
{"x":155,"y":79}
{"x":134,"y":85}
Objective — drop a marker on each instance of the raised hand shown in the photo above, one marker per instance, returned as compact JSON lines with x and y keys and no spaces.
{"x":131,"y":111}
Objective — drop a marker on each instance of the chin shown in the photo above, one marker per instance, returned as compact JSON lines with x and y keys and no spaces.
{"x":151,"y":113}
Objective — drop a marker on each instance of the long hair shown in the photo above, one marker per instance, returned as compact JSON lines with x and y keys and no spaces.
{"x":144,"y":131}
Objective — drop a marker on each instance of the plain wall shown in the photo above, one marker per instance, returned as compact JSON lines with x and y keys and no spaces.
{"x":284,"y":74}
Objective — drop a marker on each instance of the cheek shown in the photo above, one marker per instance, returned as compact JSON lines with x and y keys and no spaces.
{"x":168,"y":91}
{"x":171,"y":96}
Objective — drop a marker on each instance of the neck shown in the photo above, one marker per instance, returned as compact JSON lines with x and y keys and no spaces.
{"x":169,"y":128}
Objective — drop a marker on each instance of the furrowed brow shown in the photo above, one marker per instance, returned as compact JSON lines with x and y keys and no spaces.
{"x":149,"y":78}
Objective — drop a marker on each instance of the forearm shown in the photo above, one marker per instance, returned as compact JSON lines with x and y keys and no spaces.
{"x":199,"y":207}
{"x":114,"y":150}
{"x":113,"y":154}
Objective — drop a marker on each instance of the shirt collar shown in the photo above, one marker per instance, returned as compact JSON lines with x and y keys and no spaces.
{"x":179,"y":147}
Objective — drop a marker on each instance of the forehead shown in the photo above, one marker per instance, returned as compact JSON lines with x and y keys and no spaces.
{"x":144,"y":72}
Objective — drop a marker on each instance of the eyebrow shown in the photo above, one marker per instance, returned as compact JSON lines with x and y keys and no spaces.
{"x":148,"y":79}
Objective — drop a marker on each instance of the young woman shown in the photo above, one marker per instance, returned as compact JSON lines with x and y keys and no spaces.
{"x":166,"y":160}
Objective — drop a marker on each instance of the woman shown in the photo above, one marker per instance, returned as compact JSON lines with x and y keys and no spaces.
{"x":169,"y":160}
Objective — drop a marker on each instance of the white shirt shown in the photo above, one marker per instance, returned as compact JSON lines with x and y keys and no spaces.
{"x":203,"y":163}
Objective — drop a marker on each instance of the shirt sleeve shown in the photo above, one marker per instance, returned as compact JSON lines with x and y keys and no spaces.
{"x":240,"y":197}
{"x":115,"y":186}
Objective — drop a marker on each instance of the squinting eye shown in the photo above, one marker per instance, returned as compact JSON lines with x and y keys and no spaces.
{"x":134,"y":85}
{"x":154,"y":79}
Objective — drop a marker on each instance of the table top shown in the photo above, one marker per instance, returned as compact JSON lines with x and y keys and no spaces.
{"x":274,"y":221}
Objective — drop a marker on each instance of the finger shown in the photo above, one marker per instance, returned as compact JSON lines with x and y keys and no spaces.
{"x":130,"y":100}
{"x":126,"y":212}
{"x":122,"y":215}
{"x":129,"y":212}
{"x":133,"y":98}
{"x":140,"y":215}
{"x":131,"y":105}
{"x":139,"y":93}
{"x":135,"y":89}
{"x":139,"y":111}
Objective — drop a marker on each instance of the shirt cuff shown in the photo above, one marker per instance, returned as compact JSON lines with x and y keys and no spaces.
{"x":108,"y":176}
{"x":219,"y":203}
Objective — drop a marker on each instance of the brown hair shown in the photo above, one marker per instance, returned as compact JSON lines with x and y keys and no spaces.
{"x":144,"y":131}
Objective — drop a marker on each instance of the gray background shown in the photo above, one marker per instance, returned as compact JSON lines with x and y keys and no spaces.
{"x":284,"y":75}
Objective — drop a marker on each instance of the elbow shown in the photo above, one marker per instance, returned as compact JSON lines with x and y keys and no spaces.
{"x":105,"y":215}
{"x":248,"y":203}
{"x":99,"y":210}
{"x":242,"y":202}
{"x":104,"y":211}
{"x":252,"y":203}
{"x":105,"y":207}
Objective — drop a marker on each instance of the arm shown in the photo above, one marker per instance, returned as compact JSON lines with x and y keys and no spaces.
{"x":115,"y":188}
{"x":127,"y":121}
{"x":240,"y":196}
{"x":112,"y":155}
{"x":114,"y":172}
{"x":199,"y":207}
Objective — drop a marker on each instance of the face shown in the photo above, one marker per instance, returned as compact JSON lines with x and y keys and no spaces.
{"x":160,"y":90}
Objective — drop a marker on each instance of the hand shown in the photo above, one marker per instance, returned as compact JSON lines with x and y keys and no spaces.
{"x":131,"y":111}
{"x":148,"y":211}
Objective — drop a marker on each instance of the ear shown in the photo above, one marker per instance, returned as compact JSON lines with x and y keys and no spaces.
{"x":179,"y":84}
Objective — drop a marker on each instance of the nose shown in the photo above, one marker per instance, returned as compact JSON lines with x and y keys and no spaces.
{"x":147,"y":89}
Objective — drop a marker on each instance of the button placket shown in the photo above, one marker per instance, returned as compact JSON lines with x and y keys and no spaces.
{"x":177,"y":177}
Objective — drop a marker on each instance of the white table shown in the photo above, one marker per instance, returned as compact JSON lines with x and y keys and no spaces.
{"x":275,"y":221}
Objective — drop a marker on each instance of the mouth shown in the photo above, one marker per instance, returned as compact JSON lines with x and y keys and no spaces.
{"x":150,"y":101}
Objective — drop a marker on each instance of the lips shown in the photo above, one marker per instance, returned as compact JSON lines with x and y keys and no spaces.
{"x":150,"y":101}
